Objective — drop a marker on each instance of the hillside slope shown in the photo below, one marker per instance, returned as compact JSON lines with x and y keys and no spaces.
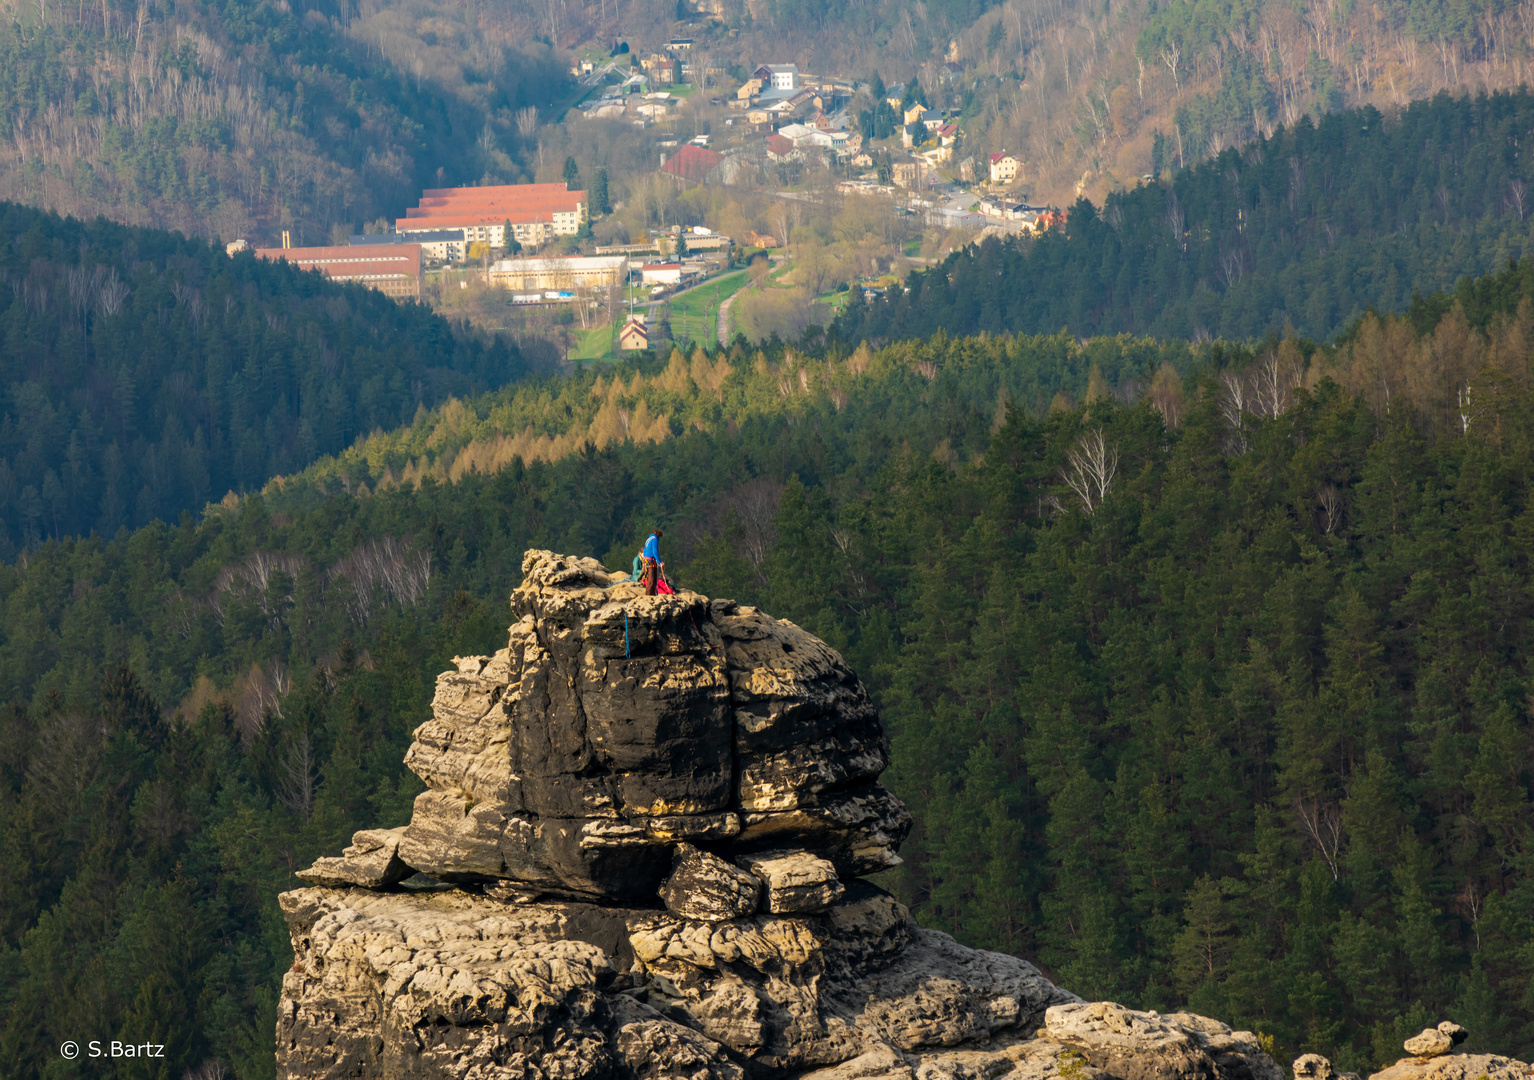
{"x":1095,"y":96}
{"x":145,"y":374}
{"x":1308,"y":228}
{"x":1227,"y":708}
{"x":240,"y":118}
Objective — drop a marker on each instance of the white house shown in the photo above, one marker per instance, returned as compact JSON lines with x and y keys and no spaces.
{"x":1004,"y":168}
{"x":778,"y":76}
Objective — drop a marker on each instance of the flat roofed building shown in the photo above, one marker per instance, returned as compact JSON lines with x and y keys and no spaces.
{"x":573,"y":272}
{"x":709,"y":242}
{"x":660,"y":273}
{"x":394,"y":270}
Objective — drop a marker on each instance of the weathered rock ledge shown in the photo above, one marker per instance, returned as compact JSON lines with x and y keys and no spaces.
{"x":1433,"y":1057}
{"x":447,"y":983}
{"x":639,"y":856}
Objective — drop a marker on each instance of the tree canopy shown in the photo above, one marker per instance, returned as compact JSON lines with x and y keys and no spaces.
{"x":145,"y":374}
{"x":1308,"y":228}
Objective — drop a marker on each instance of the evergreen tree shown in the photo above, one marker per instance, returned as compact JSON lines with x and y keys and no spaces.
{"x":600,"y":200}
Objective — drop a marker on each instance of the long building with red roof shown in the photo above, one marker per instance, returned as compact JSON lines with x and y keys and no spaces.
{"x":394,"y":270}
{"x":536,"y":212}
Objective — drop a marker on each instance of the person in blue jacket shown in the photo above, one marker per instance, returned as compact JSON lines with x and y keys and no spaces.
{"x":652,"y":563}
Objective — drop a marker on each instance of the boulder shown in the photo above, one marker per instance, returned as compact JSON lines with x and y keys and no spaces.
{"x":1455,"y":1033}
{"x":797,"y":882}
{"x":453,"y":838}
{"x":371,"y":861}
{"x":1134,"y":1045}
{"x":1313,"y":1067}
{"x":704,"y":886}
{"x":1430,"y":1043}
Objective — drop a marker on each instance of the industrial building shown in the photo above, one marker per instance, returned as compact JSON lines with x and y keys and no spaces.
{"x":439,"y":245}
{"x":573,"y":272}
{"x":537,"y":213}
{"x":394,"y":270}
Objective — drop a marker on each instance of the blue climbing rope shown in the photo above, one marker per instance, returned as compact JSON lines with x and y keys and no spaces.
{"x":626,"y":654}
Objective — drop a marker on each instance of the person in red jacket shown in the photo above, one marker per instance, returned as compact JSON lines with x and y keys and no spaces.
{"x":652,"y":563}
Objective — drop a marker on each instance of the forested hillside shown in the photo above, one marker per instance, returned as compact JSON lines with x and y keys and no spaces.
{"x":1213,"y":690}
{"x":1094,"y":96}
{"x":655,"y":400}
{"x":144,"y":374}
{"x":1308,"y":228}
{"x":240,"y":118}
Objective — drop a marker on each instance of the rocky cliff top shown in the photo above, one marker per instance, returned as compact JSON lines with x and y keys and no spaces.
{"x":619,"y":733}
{"x":640,"y":855}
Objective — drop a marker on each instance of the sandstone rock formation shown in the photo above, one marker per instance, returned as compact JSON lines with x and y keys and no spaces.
{"x":1433,"y":1058}
{"x":1312,"y":1067}
{"x":1455,"y":1067}
{"x":1149,"y":1046}
{"x":616,"y":725}
{"x":1430,"y":1043}
{"x":639,"y":855}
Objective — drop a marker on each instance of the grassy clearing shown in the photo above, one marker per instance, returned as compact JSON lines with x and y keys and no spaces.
{"x":833,"y":300}
{"x":695,"y":314}
{"x":597,"y":343}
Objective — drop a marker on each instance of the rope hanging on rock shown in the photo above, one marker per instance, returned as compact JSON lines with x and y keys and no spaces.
{"x":626,"y":655}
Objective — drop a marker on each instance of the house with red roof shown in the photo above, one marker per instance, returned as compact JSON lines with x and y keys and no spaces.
{"x":1004,"y":168}
{"x":634,"y":335}
{"x":779,"y":146}
{"x":691,"y":164}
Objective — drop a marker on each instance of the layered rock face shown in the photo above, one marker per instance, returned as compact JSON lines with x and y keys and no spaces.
{"x":616,"y":725}
{"x":640,"y":855}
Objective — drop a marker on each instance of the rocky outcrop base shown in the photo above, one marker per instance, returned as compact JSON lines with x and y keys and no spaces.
{"x":446,"y":982}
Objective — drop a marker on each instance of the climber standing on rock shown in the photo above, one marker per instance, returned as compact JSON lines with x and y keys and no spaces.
{"x":652,"y":563}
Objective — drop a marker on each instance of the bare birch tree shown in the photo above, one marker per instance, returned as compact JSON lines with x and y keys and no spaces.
{"x":1322,"y":822}
{"x":1090,"y":468}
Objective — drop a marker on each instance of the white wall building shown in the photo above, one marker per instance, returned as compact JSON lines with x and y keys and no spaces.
{"x":574,"y":272}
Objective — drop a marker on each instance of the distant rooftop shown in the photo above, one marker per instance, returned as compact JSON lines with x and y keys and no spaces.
{"x":424,"y":236}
